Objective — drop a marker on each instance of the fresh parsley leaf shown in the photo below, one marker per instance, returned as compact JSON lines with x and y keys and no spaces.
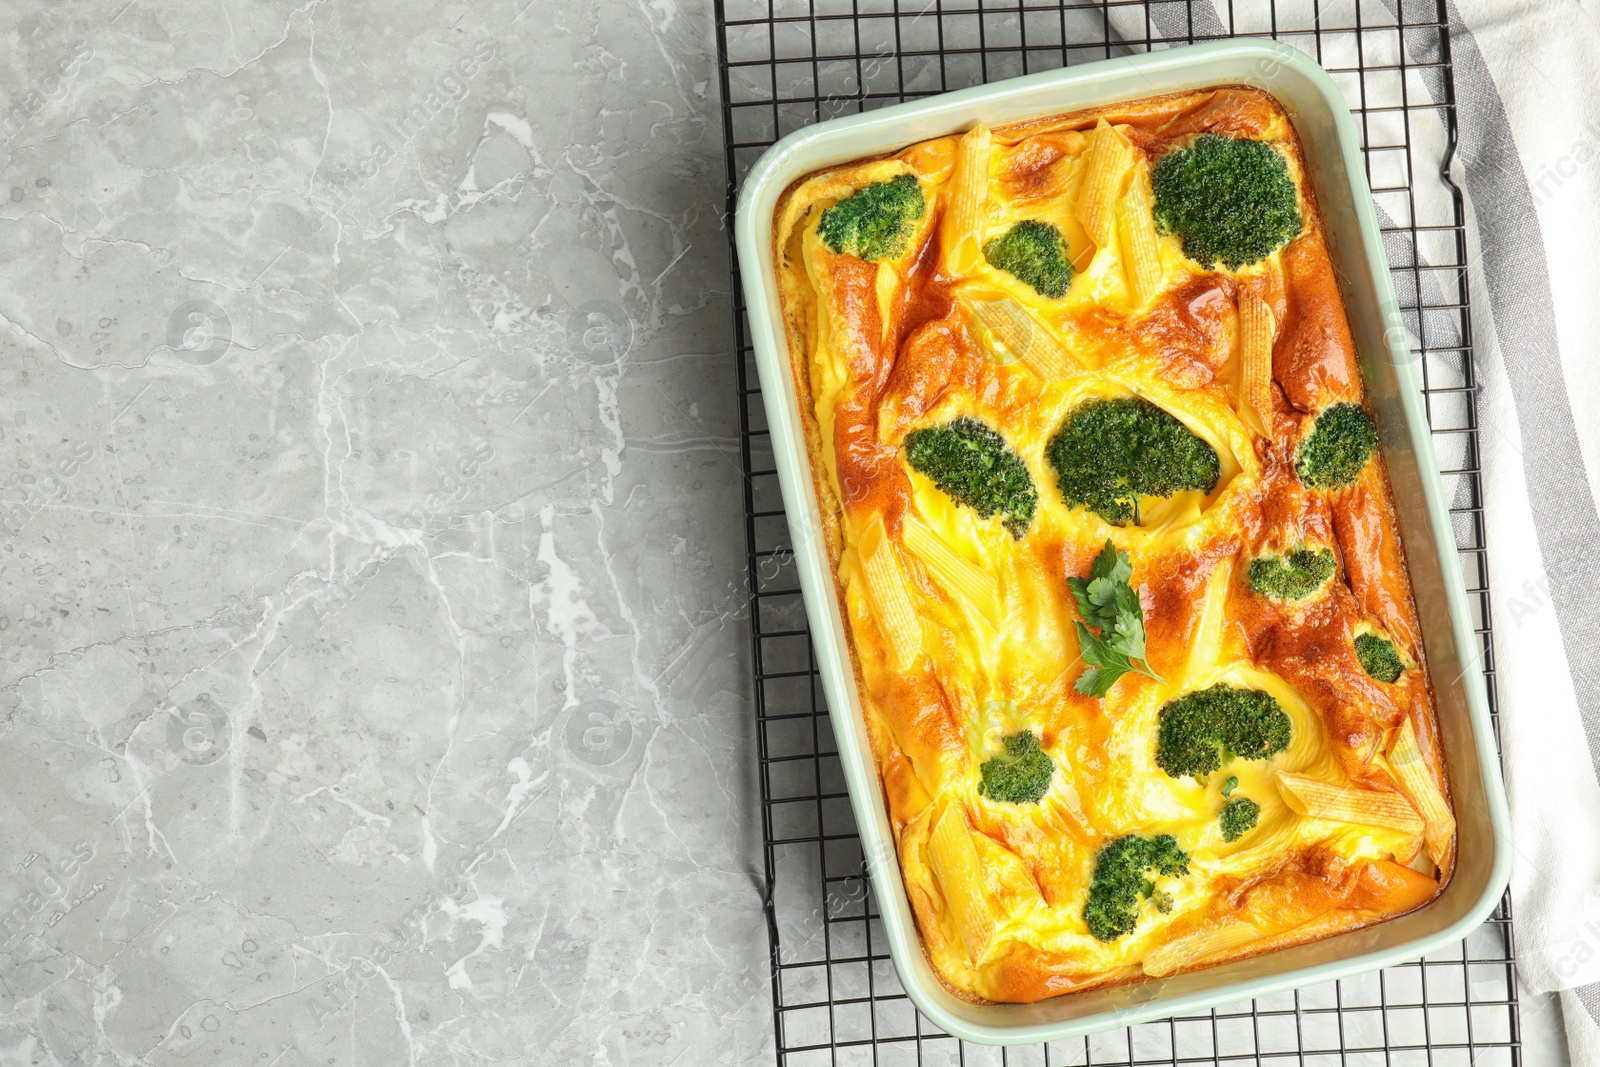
{"x":1105,"y":664}
{"x":1097,"y":682}
{"x":1096,"y":652}
{"x":1108,"y":602}
{"x":1080,"y":592}
{"x":1127,"y":634}
{"x":1128,"y":600}
{"x":1112,"y":565}
{"x":1104,"y":597}
{"x":1106,"y":589}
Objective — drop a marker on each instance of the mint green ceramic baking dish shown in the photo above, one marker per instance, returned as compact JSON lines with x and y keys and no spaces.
{"x":1333,"y":154}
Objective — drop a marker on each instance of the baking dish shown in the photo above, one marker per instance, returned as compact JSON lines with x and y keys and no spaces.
{"x":1332,"y":151}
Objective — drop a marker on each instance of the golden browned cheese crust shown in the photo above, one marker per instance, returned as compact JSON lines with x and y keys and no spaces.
{"x":881,"y":349}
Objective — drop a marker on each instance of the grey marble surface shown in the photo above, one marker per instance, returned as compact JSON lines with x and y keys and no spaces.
{"x":372,"y":677}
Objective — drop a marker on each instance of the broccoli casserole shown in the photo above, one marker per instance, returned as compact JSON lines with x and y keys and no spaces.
{"x":1114,"y":543}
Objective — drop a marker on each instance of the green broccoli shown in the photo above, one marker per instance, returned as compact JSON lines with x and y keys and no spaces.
{"x":1109,"y":453}
{"x":1230,"y":785}
{"x":1379,"y":658}
{"x":1120,"y":881}
{"x":1022,"y":775}
{"x":1340,"y":442}
{"x":1295,"y":576}
{"x":1034,"y":253}
{"x":1202,"y":730}
{"x":974,"y":466}
{"x":876,"y":221}
{"x":1227,"y":199}
{"x":1238,"y":817}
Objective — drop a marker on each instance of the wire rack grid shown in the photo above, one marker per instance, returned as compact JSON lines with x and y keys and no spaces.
{"x":785,"y":64}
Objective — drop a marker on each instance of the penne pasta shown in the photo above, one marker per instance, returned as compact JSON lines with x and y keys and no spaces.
{"x":887,"y":593}
{"x":1439,"y":822}
{"x":1009,"y":333}
{"x":1141,"y":250}
{"x":888,"y":286}
{"x":954,"y":860}
{"x":1192,"y":948}
{"x":1317,"y":799}
{"x":966,"y":214}
{"x":1109,"y":155}
{"x":1256,"y":330}
{"x":968,"y":581}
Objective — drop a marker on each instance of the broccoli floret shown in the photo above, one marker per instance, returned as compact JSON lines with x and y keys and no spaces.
{"x":1034,"y":253}
{"x":1022,"y":775}
{"x":876,"y":221}
{"x":1202,"y":730}
{"x":1230,"y":785}
{"x":1109,"y":453}
{"x":1294,"y":576}
{"x":1228,"y":200}
{"x":1337,"y":448}
{"x":1379,"y":658}
{"x":974,"y":466}
{"x":1238,"y":817}
{"x":1120,"y":881}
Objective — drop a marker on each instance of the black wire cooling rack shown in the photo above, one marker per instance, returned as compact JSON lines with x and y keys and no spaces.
{"x":789,"y":63}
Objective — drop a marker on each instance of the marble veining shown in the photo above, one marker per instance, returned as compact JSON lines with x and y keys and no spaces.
{"x":373,"y":685}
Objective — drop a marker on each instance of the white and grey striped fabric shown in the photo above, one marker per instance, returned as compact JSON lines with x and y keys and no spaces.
{"x":1527,"y":81}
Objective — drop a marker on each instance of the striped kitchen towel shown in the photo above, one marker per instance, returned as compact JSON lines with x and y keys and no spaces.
{"x":1528,"y":83}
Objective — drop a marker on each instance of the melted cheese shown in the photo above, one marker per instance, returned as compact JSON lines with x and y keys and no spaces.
{"x":999,"y":888}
